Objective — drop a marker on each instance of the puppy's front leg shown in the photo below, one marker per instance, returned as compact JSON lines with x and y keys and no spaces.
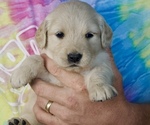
{"x":99,"y":83}
{"x":32,"y":67}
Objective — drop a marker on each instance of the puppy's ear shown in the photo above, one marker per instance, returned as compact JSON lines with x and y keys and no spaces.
{"x":41,"y":35}
{"x":106,"y":32}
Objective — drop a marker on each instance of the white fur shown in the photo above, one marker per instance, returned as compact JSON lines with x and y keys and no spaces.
{"x":74,"y":19}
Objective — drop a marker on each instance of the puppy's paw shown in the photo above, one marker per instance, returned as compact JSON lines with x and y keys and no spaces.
{"x":21,"y":77}
{"x":102,"y":92}
{"x":18,"y":121}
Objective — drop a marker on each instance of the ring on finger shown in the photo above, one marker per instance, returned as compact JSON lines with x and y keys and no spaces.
{"x":48,"y":106}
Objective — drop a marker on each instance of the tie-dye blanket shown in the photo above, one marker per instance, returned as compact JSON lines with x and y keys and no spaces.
{"x":129,"y":19}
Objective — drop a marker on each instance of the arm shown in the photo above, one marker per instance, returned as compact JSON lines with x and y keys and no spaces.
{"x":142,"y":112}
{"x":71,"y":104}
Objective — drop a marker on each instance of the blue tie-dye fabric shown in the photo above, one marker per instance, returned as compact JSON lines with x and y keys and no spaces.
{"x":130,"y":21}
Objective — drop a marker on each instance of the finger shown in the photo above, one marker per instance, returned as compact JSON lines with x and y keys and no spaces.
{"x":52,"y":92}
{"x":65,"y":114}
{"x":55,"y":109}
{"x":42,"y":102}
{"x":46,"y":118}
{"x":59,"y":111}
{"x":69,"y":79}
{"x":118,"y":77}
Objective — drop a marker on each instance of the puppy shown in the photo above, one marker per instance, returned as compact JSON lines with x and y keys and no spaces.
{"x":75,"y":37}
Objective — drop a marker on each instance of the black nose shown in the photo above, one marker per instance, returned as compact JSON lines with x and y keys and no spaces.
{"x":74,"y":57}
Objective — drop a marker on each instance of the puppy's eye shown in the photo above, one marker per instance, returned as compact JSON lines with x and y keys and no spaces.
{"x":89,"y":35}
{"x":60,"y":35}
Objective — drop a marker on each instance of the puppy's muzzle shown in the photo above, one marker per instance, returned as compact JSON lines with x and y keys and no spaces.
{"x":74,"y":58}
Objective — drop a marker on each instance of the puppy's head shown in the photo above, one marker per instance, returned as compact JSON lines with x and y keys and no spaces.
{"x":73,"y":34}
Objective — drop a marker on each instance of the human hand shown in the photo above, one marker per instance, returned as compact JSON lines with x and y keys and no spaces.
{"x":71,"y":104}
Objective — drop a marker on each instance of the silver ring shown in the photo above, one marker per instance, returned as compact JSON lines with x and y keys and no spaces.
{"x":48,"y":106}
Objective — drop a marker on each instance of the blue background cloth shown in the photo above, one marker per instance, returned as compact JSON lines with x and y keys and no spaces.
{"x":130,"y":21}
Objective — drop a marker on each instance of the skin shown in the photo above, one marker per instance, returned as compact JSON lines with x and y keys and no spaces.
{"x":71,"y":104}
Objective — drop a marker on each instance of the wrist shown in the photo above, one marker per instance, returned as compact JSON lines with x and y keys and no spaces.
{"x":130,"y":114}
{"x":139,"y":114}
{"x":143,"y":111}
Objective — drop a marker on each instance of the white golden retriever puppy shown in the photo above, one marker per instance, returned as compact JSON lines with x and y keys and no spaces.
{"x":75,"y":37}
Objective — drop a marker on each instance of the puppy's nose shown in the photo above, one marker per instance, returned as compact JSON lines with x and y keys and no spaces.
{"x":74,"y":57}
